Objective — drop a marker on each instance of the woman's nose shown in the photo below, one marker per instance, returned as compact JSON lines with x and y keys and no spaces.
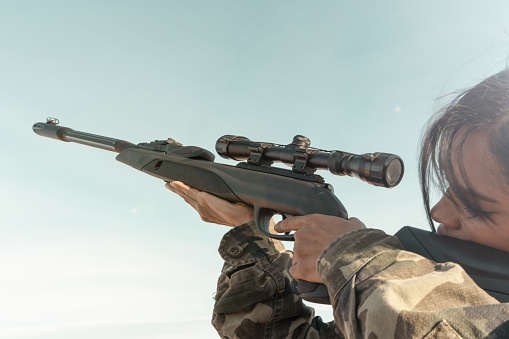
{"x":446,"y":213}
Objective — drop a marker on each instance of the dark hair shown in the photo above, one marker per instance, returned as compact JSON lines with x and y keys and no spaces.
{"x":485,"y":107}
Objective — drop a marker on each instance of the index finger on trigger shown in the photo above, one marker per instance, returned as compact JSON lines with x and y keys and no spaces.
{"x":290,"y":224}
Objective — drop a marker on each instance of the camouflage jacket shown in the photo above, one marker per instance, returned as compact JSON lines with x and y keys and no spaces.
{"x":377,"y":291}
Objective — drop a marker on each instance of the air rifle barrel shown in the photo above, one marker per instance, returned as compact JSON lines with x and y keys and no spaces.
{"x":50,"y":129}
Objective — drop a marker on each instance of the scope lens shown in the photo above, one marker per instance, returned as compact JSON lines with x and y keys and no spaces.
{"x":394,"y":172}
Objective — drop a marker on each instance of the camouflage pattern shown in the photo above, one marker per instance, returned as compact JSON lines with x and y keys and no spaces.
{"x":377,"y":291}
{"x":255,"y":294}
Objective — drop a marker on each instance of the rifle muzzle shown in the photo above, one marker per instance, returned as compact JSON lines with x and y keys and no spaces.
{"x":50,"y":129}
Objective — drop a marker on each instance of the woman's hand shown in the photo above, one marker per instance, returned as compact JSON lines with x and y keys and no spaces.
{"x":211,"y":208}
{"x":313,"y":233}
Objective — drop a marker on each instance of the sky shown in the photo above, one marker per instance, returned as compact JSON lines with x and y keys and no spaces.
{"x":90,"y":247}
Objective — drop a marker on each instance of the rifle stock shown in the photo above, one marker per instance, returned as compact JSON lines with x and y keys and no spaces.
{"x":487,"y":266}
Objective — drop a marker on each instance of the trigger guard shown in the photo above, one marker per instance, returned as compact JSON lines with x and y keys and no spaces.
{"x":313,"y":292}
{"x":262,"y":219}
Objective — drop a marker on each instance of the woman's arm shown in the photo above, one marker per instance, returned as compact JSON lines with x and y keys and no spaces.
{"x":256,"y":295}
{"x":378,"y":289}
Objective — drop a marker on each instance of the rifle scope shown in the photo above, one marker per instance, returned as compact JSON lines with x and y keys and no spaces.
{"x":379,"y":169}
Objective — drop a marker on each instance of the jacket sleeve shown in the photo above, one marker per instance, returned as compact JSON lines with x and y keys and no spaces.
{"x":378,"y":290}
{"x":255,"y":294}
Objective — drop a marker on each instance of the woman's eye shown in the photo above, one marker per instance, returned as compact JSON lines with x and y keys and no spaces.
{"x":478,"y":213}
{"x":472,"y":213}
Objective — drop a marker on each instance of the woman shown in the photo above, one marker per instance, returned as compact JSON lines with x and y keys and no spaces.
{"x":376,"y":288}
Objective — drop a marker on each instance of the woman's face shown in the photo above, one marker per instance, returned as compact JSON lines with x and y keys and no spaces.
{"x":488,"y":179}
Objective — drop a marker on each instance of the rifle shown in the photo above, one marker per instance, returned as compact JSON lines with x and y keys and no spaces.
{"x":299,"y":191}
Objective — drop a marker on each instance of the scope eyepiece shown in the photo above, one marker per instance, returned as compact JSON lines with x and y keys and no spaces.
{"x":378,"y":169}
{"x":392,"y":168}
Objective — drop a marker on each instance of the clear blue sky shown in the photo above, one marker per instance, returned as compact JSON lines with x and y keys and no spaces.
{"x":92,"y":248}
